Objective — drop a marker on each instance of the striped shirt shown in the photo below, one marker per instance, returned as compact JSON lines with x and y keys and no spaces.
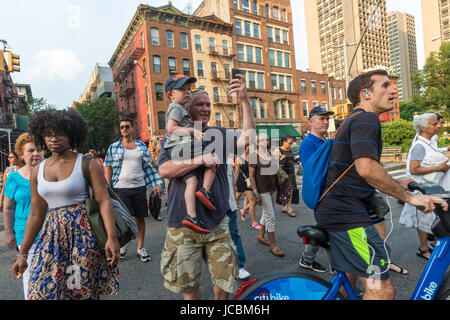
{"x":114,"y":158}
{"x":346,"y":205}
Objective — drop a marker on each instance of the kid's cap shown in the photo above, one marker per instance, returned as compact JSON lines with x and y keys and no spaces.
{"x":176,"y":81}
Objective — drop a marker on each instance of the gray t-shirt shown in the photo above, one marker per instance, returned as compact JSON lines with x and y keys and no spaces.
{"x":418,"y":152}
{"x":178,"y":113}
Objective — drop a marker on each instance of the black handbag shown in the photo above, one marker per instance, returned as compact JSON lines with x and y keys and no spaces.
{"x":154,"y":205}
{"x":379,"y":206}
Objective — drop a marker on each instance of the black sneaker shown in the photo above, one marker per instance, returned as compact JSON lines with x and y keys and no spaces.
{"x":315,"y":266}
{"x":194,"y":224}
{"x":206,"y":198}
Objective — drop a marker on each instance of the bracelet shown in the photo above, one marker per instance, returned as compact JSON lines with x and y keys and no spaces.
{"x":23,"y":256}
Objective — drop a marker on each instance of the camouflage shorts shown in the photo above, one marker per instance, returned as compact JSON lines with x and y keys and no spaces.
{"x":184,"y":251}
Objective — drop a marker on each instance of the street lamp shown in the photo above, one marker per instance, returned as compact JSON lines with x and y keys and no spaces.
{"x":150,"y":115}
{"x":347,"y":73}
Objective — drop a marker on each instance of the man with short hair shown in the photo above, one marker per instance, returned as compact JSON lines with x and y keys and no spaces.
{"x":185,"y":250}
{"x":356,"y":247}
{"x":319,"y":118}
{"x":128,"y":171}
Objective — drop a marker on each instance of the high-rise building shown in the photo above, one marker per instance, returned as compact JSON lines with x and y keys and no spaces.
{"x":329,"y":24}
{"x":100,"y":84}
{"x":402,"y":39}
{"x":436,"y":28}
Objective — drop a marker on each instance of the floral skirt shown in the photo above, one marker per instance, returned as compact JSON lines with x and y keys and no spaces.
{"x":69,"y":264}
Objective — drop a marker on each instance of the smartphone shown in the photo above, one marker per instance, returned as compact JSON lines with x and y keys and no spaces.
{"x":234,"y":72}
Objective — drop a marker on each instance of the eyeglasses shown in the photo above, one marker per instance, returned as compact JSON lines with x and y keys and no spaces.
{"x":125,"y":127}
{"x":58,"y":136}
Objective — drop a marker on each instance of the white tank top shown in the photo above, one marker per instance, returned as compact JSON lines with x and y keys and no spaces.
{"x":65,"y":192}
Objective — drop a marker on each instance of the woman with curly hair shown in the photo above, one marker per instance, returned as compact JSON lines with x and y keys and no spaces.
{"x":69,"y":263}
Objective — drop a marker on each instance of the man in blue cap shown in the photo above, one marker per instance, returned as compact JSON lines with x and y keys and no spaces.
{"x":319,"y":120}
{"x":180,"y":143}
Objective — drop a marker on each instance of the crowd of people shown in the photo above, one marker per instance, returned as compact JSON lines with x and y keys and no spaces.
{"x":46,"y":219}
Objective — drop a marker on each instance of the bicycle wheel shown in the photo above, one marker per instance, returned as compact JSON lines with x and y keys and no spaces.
{"x":288,"y":285}
{"x":444,"y":290}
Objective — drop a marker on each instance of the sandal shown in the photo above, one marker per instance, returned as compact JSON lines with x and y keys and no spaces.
{"x":291,"y":213}
{"x":421,"y":253}
{"x":277,"y":251}
{"x":242,"y":216}
{"x":256,"y":226}
{"x":402,"y":271}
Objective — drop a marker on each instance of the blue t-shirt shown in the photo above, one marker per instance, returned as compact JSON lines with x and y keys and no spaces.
{"x":17,"y":188}
{"x":308,"y":146}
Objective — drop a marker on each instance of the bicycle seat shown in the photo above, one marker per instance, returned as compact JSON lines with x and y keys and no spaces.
{"x":314,"y":235}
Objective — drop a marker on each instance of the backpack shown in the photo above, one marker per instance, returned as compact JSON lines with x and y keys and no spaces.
{"x":315,"y":173}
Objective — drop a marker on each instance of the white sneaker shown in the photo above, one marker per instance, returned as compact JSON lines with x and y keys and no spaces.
{"x":143,"y":254}
{"x":123,"y":251}
{"x":243,"y":274}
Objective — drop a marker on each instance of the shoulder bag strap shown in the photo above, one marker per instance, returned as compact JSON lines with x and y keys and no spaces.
{"x":85,"y":171}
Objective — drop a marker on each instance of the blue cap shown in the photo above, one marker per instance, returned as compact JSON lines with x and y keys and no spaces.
{"x":319,"y":111}
{"x":176,"y":81}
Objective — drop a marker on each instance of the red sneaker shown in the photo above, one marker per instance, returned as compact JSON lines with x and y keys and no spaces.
{"x":194,"y":224}
{"x":206,"y":198}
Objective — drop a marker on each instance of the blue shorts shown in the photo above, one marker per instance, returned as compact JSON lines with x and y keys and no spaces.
{"x":361,"y":252}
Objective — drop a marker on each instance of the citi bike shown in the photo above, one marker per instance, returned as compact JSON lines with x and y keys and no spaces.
{"x":434,"y":283}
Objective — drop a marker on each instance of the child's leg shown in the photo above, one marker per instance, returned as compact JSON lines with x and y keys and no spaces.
{"x":208,"y":178}
{"x":189,"y":196}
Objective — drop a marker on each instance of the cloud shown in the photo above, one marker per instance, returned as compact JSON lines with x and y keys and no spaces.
{"x":53,"y":65}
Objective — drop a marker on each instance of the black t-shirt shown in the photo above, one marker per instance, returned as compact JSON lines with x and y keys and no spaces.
{"x":346,"y":205}
{"x":222,"y":142}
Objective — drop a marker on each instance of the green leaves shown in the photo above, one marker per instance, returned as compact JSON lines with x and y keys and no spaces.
{"x":398,"y":133}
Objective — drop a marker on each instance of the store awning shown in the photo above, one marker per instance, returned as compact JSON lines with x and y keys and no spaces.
{"x":285,"y":130}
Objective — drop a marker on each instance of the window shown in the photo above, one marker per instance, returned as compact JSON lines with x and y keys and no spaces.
{"x":235,"y":4}
{"x":251,"y":80}
{"x":322,"y":87}
{"x":200,"y":70}
{"x":281,"y":82}
{"x":284,"y":15}
{"x":157,"y":64}
{"x":275,"y":13}
{"x":288,"y":83}
{"x":240,"y":52}
{"x":198,"y":43}
{"x":247,"y":29}
{"x":169,"y":38}
{"x":269,"y":34}
{"x":272,"y":57}
{"x":285,"y":37}
{"x":287,"y":59}
{"x":249,"y":54}
{"x":144,"y":65}
{"x":266,"y":8}
{"x":172,"y":65}
{"x":258,"y":55}
{"x":212,"y":45}
{"x":277,"y":36}
{"x":245,"y":6}
{"x":225,"y":47}
{"x":260,"y":80}
{"x":142,"y":40}
{"x":162,"y":120}
{"x":262,"y":109}
{"x":279,"y":58}
{"x":159,"y":91}
{"x":155,"y":36}
{"x":256,"y":31}
{"x":303,"y":85}
{"x":184,"y":40}
{"x":255,"y":7}
{"x":273,"y":79}
{"x":218,"y":119}
{"x":253,"y":102}
{"x":238,"y":24}
{"x":313,"y":87}
{"x":305,"y":108}
{"x":186,"y":67}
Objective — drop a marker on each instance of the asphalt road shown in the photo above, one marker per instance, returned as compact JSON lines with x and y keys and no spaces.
{"x":143,"y":281}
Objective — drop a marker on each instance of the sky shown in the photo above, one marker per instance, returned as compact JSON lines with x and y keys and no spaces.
{"x":60,"y":41}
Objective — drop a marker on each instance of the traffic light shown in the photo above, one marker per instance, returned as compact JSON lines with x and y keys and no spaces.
{"x":13,"y":62}
{"x":2,"y":62}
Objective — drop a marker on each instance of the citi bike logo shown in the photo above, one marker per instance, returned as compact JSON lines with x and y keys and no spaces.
{"x":429,"y":291}
{"x":269,"y":296}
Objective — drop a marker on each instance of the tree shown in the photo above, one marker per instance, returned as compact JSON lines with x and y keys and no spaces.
{"x":35,"y":105}
{"x":102,"y":116}
{"x":408,"y":109}
{"x":398,"y":133}
{"x":433,"y":81}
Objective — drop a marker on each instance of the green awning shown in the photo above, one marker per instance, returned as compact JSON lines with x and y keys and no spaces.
{"x":286,"y":130}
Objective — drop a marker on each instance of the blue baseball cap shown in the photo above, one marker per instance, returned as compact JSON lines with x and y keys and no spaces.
{"x":319,"y":111}
{"x":176,"y":81}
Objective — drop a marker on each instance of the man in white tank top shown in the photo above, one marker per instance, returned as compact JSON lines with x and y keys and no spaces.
{"x":128,"y":171}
